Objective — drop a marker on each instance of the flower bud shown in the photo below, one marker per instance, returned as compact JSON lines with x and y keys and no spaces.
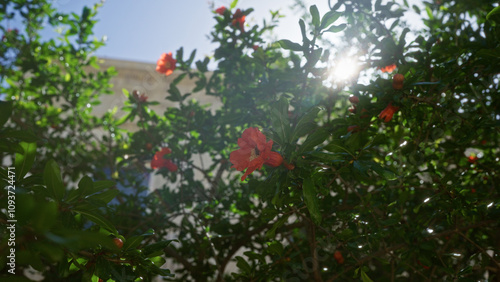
{"x":354,"y":99}
{"x":397,"y":81}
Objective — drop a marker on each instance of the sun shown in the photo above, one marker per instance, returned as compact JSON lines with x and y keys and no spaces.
{"x":345,"y":69}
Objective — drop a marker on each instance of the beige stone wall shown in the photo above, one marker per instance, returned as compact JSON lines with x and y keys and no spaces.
{"x":143,"y":77}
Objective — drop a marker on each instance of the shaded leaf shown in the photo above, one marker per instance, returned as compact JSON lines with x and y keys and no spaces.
{"x":53,"y":181}
{"x":311,"y":199}
{"x":315,"y":15}
{"x":329,"y":18}
{"x":314,"y":139}
{"x":98,"y":219}
{"x":289,"y":45}
{"x":336,"y":28}
{"x":24,"y":162}
{"x":5,"y":111}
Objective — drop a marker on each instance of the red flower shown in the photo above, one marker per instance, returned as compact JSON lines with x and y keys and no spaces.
{"x":388,"y":68}
{"x":239,"y":20}
{"x":159,"y":161}
{"x":472,"y":159}
{"x":397,"y":81}
{"x":338,"y":257}
{"x":255,"y":47}
{"x":388,"y":112}
{"x":221,"y":10}
{"x":139,"y":98}
{"x":166,"y":64}
{"x":254,"y":152}
{"x":354,"y":99}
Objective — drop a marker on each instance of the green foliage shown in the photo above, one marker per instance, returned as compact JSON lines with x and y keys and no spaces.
{"x":413,"y":197}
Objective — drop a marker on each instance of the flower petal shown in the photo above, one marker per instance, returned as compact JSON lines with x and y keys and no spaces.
{"x":251,"y":138}
{"x":240,"y":158}
{"x":274,"y":159}
{"x":252,"y":166}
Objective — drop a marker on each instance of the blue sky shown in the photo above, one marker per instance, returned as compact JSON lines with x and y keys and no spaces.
{"x":142,"y":30}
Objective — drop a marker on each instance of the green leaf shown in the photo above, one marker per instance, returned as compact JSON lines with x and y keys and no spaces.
{"x":279,"y":118}
{"x":125,"y":92}
{"x":255,"y":256}
{"x":361,"y":168}
{"x":45,"y":216}
{"x":426,"y":83}
{"x":24,"y":162}
{"x":5,"y":111}
{"x":22,"y":135}
{"x":311,"y":200}
{"x":385,"y":173}
{"x":178,"y":79}
{"x":364,"y":277}
{"x":149,"y":232}
{"x":104,"y":197}
{"x":191,"y":57}
{"x":101,"y":185}
{"x":289,"y":45}
{"x":133,"y":242}
{"x":429,"y":12}
{"x":489,"y":52}
{"x":306,"y":123}
{"x":85,"y":185}
{"x":233,"y":4}
{"x":158,"y":261}
{"x":329,"y":18}
{"x":275,"y":247}
{"x":335,"y":148}
{"x":175,"y":94}
{"x":53,"y":181}
{"x":305,"y":40}
{"x":336,"y":28}
{"x":243,"y":265}
{"x":153,"y":249}
{"x":271,"y":232}
{"x":314,"y":139}
{"x":314,"y":57}
{"x":11,"y":147}
{"x":97,"y":219}
{"x":315,"y":15}
{"x":123,"y":119}
{"x":495,"y":11}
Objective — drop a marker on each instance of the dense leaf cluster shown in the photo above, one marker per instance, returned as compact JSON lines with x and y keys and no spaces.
{"x":391,"y":174}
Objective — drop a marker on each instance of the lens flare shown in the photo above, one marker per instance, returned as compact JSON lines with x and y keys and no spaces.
{"x":345,"y":69}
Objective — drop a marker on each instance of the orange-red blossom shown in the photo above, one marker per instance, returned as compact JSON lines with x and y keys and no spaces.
{"x":255,"y":152}
{"x":338,"y":257}
{"x":239,"y":20}
{"x":388,"y":112}
{"x":388,"y":68}
{"x":472,"y":159}
{"x":159,"y":161}
{"x":221,"y":10}
{"x":166,"y":64}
